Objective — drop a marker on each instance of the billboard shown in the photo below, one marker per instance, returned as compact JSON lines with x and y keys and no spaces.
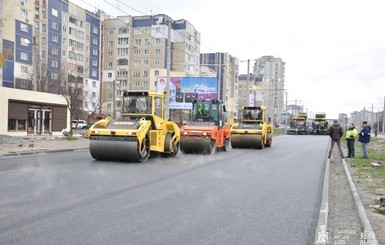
{"x":183,"y":90}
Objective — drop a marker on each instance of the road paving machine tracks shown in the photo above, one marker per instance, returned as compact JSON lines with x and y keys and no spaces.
{"x":252,"y":131}
{"x":206,"y":132}
{"x":140,"y":131}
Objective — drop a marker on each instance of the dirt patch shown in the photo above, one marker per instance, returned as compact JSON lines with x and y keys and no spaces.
{"x":370,"y":182}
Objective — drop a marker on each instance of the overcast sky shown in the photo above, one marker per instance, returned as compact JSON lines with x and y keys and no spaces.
{"x":334,"y":50}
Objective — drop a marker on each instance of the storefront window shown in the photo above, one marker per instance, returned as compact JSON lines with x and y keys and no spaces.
{"x":16,"y":125}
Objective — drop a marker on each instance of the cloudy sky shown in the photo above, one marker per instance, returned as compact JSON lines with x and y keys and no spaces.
{"x":334,"y":50}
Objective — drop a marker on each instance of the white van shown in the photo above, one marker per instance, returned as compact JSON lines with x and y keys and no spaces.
{"x":80,"y":124}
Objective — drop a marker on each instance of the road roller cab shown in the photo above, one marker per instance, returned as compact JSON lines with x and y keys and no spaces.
{"x":206,"y":132}
{"x":252,"y":131}
{"x":141,"y":130}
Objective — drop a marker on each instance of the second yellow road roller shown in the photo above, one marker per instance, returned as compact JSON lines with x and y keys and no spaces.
{"x":252,"y":131}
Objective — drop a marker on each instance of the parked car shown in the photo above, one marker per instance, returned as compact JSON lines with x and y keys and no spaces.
{"x":80,"y":124}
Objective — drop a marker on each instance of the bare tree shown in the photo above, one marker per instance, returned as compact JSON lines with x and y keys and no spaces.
{"x":71,"y":87}
{"x":93,"y":106}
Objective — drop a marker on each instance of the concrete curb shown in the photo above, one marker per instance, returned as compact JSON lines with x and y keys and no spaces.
{"x":322,"y":224}
{"x":369,"y":235}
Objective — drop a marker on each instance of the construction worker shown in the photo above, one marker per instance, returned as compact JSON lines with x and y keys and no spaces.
{"x":201,"y":110}
{"x":351,"y":134}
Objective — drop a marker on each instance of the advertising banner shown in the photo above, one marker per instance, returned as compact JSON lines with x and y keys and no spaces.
{"x":183,"y":90}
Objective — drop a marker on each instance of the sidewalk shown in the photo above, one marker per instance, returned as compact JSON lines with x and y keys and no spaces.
{"x":14,"y":146}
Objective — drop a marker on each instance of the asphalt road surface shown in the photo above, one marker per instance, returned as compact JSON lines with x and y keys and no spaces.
{"x":243,"y":196}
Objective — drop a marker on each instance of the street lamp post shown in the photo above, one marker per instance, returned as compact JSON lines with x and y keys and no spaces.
{"x":113,"y":99}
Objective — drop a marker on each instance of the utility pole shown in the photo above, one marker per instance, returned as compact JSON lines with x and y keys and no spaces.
{"x":383,"y":118}
{"x":286,"y":115}
{"x":113,"y":99}
{"x":167,"y":106}
{"x":248,"y":82}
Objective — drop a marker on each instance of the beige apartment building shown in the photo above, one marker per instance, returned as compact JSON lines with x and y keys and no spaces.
{"x":136,"y":52}
{"x":272,"y":73}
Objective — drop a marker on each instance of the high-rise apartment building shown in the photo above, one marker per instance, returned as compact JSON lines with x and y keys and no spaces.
{"x":226,"y":67}
{"x":136,"y":49}
{"x":48,"y":42}
{"x":272,"y":72}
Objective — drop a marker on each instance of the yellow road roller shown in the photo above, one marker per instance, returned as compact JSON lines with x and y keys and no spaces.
{"x":252,"y":131}
{"x":140,"y":131}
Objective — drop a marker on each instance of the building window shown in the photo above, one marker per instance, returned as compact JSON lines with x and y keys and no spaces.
{"x":123,"y":40}
{"x":54,"y":12}
{"x":122,"y":62}
{"x":136,"y":74}
{"x":157,"y":51}
{"x":79,"y":34}
{"x":146,"y":52}
{"x":110,"y":33}
{"x":147,"y":30}
{"x":136,"y":62}
{"x":24,"y":69}
{"x":145,"y":62}
{"x":123,"y":30}
{"x":54,"y":75}
{"x":109,"y":64}
{"x":24,"y":27}
{"x":156,"y":73}
{"x":157,"y":41}
{"x":23,"y":55}
{"x":136,"y":52}
{"x":122,"y":51}
{"x":55,"y":50}
{"x":55,"y":38}
{"x":80,"y":57}
{"x":95,"y":41}
{"x":146,"y":41}
{"x":94,"y":73}
{"x":109,"y":54}
{"x":24,"y":41}
{"x":136,"y":84}
{"x":55,"y":25}
{"x":145,"y":73}
{"x":110,"y":43}
{"x":95,"y":30}
{"x":157,"y":29}
{"x":137,"y":31}
{"x":94,"y":62}
{"x":94,"y":51}
{"x":109,"y":74}
{"x":138,"y":41}
{"x":24,"y":13}
{"x":43,"y":27}
{"x":54,"y":63}
{"x":157,"y":63}
{"x":145,"y":83}
{"x":93,"y":84}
